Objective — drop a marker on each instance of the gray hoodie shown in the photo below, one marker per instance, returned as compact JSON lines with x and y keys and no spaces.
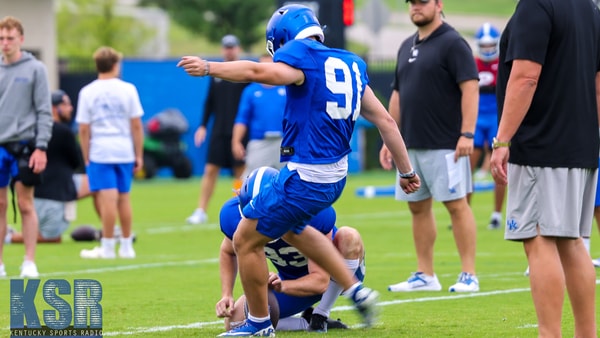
{"x":25,"y":107}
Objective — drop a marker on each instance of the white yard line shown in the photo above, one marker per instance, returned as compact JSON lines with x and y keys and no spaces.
{"x":131,"y":267}
{"x":197,"y":325}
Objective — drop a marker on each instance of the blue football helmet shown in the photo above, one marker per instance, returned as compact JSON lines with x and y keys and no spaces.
{"x":289,"y":23}
{"x":256,"y":180}
{"x":487,"y":38}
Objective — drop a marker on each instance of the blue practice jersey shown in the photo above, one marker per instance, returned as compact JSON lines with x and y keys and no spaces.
{"x":288,"y":261}
{"x":261,"y":110}
{"x":320,"y":114}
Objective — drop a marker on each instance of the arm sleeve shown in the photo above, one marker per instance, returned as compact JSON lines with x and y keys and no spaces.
{"x":41,"y":97}
{"x":530,"y":38}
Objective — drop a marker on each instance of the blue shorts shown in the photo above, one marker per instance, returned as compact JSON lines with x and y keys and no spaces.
{"x":485,"y":130}
{"x":290,"y":305}
{"x":288,"y":203}
{"x":104,"y":176}
{"x":8,"y":167}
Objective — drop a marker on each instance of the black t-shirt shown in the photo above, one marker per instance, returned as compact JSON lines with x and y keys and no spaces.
{"x":560,"y":128}
{"x":222,"y":101}
{"x":63,"y":158}
{"x":428,"y":74}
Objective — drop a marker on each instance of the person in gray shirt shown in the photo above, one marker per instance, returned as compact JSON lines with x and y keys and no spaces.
{"x":26,"y":123}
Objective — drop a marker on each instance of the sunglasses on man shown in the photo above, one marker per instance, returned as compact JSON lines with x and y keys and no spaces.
{"x":418,"y":1}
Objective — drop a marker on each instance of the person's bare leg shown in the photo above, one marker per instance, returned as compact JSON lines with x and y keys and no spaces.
{"x":321,"y":250}
{"x":207,"y":186}
{"x":580,"y":277}
{"x":237,"y":314}
{"x":84,"y":187}
{"x":17,"y":238}
{"x":474,"y":159}
{"x":547,"y":281}
{"x":465,"y":232}
{"x":349,"y":243}
{"x":107,"y":204}
{"x":84,"y":191}
{"x":125,"y":214}
{"x":3,"y":220}
{"x":249,"y":246}
{"x":499,"y":193}
{"x":424,"y":234}
{"x":28,"y":218}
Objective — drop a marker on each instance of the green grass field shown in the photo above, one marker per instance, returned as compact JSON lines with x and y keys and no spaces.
{"x":171,"y":288}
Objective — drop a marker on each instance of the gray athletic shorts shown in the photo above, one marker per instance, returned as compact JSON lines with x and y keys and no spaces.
{"x":559,"y":200}
{"x":261,"y":153}
{"x":51,"y":217}
{"x":436,"y":176}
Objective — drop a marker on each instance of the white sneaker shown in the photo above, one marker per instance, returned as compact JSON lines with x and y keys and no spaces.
{"x":418,"y":281}
{"x":596,"y":262}
{"x":96,"y":253}
{"x":29,"y":270}
{"x":198,"y":217}
{"x":2,"y":271}
{"x":126,"y":252}
{"x":466,"y":283}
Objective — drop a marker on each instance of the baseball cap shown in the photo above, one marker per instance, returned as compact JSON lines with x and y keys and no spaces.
{"x":57,"y":97}
{"x":229,"y":41}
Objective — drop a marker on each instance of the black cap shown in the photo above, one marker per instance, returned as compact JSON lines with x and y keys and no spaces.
{"x":57,"y":97}
{"x":230,"y":41}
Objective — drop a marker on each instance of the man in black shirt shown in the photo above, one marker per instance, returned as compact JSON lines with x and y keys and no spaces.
{"x":222,"y":102}
{"x":435,"y":99}
{"x":546,"y":150}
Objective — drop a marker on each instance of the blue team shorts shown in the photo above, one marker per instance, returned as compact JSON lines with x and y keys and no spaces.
{"x":290,"y":305}
{"x":8,"y":167}
{"x":289,"y":203}
{"x":104,"y":176}
{"x":485,"y":131}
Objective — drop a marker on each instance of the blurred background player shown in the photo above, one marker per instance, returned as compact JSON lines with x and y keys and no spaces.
{"x":487,"y":38}
{"x":299,"y":283}
{"x":24,"y":134}
{"x":222,"y":101}
{"x":109,"y":114}
{"x":260,"y":119}
{"x":55,"y":197}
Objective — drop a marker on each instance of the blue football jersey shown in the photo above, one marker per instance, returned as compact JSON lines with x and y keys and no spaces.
{"x":288,"y":261}
{"x":320,"y":114}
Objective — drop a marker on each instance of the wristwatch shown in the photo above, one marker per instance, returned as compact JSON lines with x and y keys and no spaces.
{"x":408,"y":175}
{"x":42,"y":148}
{"x":467,"y":134}
{"x":497,"y":144}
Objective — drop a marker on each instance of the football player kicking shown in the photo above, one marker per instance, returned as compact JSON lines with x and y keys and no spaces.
{"x":299,"y":283}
